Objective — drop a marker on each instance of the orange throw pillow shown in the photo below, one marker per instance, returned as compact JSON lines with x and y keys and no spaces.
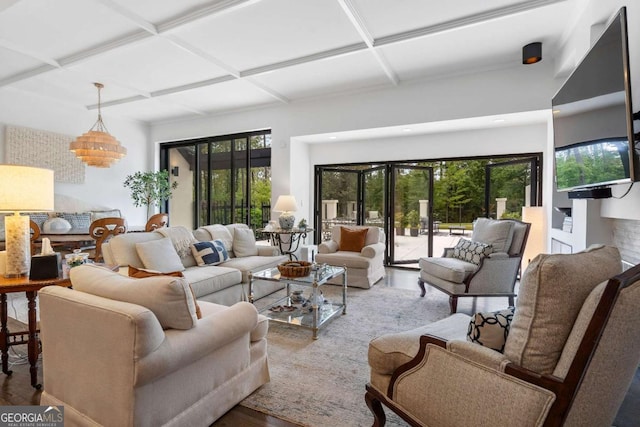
{"x":141,"y":273}
{"x":352,"y":239}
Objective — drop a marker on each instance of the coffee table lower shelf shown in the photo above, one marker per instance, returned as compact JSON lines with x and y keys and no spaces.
{"x":313,"y":318}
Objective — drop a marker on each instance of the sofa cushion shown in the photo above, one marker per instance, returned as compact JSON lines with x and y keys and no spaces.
{"x":169,"y":298}
{"x":211,"y":278}
{"x":253,"y":263}
{"x":141,"y":273}
{"x":351,"y":239}
{"x":470,"y":251}
{"x":244,"y":242}
{"x":38,"y":217}
{"x":552,"y":291}
{"x":112,"y":213}
{"x":449,"y":269}
{"x":220,"y":232}
{"x":181,"y":238}
{"x":498,"y":233}
{"x":123,"y":247}
{"x":209,"y":253}
{"x":56,"y":225}
{"x":159,"y":255}
{"x":490,"y":329}
{"x":80,"y":220}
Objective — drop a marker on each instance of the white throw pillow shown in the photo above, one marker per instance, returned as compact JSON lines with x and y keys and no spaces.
{"x":159,"y":255}
{"x":169,"y":298}
{"x":244,"y":242}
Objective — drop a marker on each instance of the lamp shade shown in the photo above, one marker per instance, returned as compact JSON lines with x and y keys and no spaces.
{"x":285,"y":204}
{"x":25,"y":188}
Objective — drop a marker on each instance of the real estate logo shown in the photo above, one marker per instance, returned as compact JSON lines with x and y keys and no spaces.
{"x":31,"y":416}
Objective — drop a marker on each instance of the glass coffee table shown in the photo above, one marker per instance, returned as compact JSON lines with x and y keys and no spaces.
{"x":311,"y":311}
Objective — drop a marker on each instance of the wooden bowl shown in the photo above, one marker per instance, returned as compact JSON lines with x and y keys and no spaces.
{"x":295,"y":268}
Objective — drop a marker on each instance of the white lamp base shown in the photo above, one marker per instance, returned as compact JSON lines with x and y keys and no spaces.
{"x":18,"y":243}
{"x":287,"y":219}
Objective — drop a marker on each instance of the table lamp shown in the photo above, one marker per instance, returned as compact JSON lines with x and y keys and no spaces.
{"x":286,"y":205}
{"x":26,"y":189}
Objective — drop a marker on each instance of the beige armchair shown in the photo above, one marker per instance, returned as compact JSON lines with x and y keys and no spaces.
{"x":364,"y":259}
{"x":132,"y":352}
{"x":486,"y":266}
{"x":570,"y":354}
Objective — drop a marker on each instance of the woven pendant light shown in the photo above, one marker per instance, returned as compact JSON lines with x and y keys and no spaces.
{"x":97,"y":147}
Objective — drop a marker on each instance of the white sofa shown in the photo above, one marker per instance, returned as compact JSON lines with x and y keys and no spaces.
{"x":117,"y":354}
{"x":222,"y":284}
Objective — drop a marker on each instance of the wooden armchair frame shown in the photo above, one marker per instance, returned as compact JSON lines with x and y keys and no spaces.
{"x":156,"y":221}
{"x":565,"y":389}
{"x":103,"y":229}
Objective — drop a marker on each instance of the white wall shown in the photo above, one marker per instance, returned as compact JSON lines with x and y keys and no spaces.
{"x":517,"y":89}
{"x":102,"y":187}
{"x":598,"y":12}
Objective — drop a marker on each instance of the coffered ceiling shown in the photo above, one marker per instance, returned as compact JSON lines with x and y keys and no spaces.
{"x":162,"y":60}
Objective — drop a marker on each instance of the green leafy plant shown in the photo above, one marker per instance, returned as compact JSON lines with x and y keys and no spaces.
{"x":149,"y":188}
{"x":302,"y":224}
{"x":413,"y":218}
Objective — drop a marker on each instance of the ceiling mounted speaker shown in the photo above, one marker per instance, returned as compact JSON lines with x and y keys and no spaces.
{"x":532,"y":53}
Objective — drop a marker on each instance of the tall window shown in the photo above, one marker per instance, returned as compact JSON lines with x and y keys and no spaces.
{"x":221,"y":180}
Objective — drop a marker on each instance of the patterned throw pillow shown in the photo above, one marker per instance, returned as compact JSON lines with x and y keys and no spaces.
{"x":80,"y":220}
{"x":491,"y":329}
{"x":209,"y":253}
{"x":470,"y":251}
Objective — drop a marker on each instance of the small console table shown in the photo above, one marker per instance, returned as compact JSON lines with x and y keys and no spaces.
{"x":8,"y":339}
{"x":287,"y":241}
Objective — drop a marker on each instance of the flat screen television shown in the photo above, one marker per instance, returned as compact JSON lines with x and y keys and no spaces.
{"x":593,"y":130}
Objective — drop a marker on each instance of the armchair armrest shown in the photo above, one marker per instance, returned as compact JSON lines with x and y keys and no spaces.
{"x":449,"y":384}
{"x":212,"y":332}
{"x":448,"y":253}
{"x":499,"y":255}
{"x":328,"y":247}
{"x":373,"y":250}
{"x":479,"y":354}
{"x":268,"y":250}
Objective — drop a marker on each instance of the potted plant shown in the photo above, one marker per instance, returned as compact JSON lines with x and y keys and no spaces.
{"x":413,"y":218}
{"x":401,"y":224}
{"x":149,"y":188}
{"x":302,"y":225}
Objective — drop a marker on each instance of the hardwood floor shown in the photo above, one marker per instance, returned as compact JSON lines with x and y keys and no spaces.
{"x":16,"y":389}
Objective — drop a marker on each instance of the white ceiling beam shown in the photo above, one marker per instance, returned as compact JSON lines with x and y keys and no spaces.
{"x":331,"y":53}
{"x":188,"y":47}
{"x":272,"y":93}
{"x":464,"y":22}
{"x":358,"y":23}
{"x":105,"y":47}
{"x":27,"y":52}
{"x":26,"y":74}
{"x":213,"y":8}
{"x":131,"y":16}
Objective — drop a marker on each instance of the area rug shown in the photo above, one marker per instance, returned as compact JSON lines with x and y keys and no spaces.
{"x":321,"y":382}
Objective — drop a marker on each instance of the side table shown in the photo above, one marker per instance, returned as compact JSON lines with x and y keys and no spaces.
{"x":8,"y":339}
{"x":287,"y":241}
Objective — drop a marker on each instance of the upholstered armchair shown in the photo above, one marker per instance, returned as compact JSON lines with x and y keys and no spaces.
{"x":119,"y":351}
{"x":360,"y":249}
{"x":570,"y":353}
{"x":487,"y":265}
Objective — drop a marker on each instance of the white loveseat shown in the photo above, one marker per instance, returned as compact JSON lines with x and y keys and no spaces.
{"x":222,"y":284}
{"x":131,"y":352}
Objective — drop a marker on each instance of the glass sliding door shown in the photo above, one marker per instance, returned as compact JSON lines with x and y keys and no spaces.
{"x":338,"y":198}
{"x":374,"y":196}
{"x":221,"y":180}
{"x":411,"y":213}
{"x":510,"y":185}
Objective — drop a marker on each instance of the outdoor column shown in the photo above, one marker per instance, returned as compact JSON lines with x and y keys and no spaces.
{"x":424,"y":208}
{"x":501,"y":206}
{"x":330,"y":209}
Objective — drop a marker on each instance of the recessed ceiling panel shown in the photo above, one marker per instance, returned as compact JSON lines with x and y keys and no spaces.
{"x":12,"y":63}
{"x":70,"y":87}
{"x":150,"y":65}
{"x":272,"y":31}
{"x":231,"y":95}
{"x":348,"y":72}
{"x":473,"y":47}
{"x":56,"y":29}
{"x":386,"y":17}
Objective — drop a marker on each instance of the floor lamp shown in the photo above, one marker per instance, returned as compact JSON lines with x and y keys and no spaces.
{"x":22,"y":189}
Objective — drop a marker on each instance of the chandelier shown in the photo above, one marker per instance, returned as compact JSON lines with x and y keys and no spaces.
{"x":96,"y":147}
